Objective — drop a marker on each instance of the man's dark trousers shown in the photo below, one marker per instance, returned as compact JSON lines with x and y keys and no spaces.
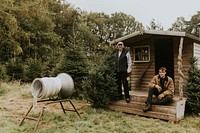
{"x":122,"y":79}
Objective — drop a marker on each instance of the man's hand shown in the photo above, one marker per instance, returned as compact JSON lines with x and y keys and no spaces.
{"x":129,"y":70}
{"x":161,"y":96}
{"x":159,"y":88}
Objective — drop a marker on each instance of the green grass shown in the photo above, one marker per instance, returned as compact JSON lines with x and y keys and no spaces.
{"x":17,"y":100}
{"x":2,"y":91}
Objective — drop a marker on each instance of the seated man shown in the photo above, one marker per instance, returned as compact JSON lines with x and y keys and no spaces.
{"x":162,"y":87}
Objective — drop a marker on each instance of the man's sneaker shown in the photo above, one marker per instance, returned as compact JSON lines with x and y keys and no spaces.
{"x":147,"y":108}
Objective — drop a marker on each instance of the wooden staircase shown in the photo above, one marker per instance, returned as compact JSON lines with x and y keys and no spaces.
{"x":172,"y":113}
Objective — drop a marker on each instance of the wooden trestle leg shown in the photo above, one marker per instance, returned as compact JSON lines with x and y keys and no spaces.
{"x":50,"y":101}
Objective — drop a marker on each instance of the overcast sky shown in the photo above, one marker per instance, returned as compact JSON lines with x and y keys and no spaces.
{"x":165,"y":12}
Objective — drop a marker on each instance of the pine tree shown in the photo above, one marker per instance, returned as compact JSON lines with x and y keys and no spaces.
{"x":192,"y":89}
{"x":74,"y":63}
{"x":100,"y":85}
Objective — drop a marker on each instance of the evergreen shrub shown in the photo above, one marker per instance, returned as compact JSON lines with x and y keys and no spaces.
{"x":14,"y":70}
{"x":33,"y":70}
{"x":192,"y":89}
{"x":100,"y":85}
{"x":3,"y":75}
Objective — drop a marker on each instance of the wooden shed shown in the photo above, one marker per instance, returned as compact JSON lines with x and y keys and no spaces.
{"x":150,"y":50}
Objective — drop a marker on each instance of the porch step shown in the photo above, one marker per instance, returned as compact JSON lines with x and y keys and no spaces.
{"x":136,"y":108}
{"x":173,"y":112}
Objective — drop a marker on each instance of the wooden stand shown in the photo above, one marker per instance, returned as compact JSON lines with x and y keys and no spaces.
{"x":47,"y":102}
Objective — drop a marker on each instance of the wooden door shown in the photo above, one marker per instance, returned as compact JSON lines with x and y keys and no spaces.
{"x":164,"y":56}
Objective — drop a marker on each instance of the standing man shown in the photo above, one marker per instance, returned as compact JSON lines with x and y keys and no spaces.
{"x":162,"y":87}
{"x":123,"y":67}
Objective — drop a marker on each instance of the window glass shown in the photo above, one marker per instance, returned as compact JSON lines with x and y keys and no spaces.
{"x":141,"y":54}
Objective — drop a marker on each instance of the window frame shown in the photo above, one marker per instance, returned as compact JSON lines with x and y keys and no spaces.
{"x":142,"y":54}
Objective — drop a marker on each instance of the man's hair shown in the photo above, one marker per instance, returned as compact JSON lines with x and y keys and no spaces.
{"x":163,"y":69}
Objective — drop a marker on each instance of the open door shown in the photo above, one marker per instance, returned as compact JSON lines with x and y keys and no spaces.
{"x":164,"y":56}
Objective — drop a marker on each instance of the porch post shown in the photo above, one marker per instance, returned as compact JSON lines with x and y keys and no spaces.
{"x":180,"y":73}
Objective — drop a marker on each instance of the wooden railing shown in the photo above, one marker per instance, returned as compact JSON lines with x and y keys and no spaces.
{"x":138,"y":83}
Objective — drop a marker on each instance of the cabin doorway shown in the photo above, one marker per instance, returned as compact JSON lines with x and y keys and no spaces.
{"x":164,"y":56}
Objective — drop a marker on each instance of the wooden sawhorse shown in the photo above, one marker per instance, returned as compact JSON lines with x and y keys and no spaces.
{"x":49,"y":101}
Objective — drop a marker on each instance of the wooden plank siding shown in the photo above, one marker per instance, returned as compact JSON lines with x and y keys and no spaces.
{"x":138,"y":68}
{"x":197,"y":53}
{"x":187,"y":54}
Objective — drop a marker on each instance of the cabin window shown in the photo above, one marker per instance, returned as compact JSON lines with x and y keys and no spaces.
{"x":141,"y":54}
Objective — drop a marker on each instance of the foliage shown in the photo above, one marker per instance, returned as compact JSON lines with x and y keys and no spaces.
{"x":38,"y":32}
{"x":154,"y":25}
{"x":33,"y":70}
{"x":9,"y":31}
{"x":74,"y":62}
{"x":14,"y":70}
{"x":192,"y":89}
{"x":100,"y":85}
{"x":190,"y":26}
{"x":3,"y":75}
{"x":107,"y":28}
{"x":179,"y":25}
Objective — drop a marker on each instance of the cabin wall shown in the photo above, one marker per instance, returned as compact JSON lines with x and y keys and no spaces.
{"x":138,"y":68}
{"x":197,"y":53}
{"x":187,"y":53}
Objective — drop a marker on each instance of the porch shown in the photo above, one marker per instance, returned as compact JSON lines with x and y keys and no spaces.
{"x":172,"y":113}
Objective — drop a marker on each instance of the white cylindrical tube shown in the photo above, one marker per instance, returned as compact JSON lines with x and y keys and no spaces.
{"x":46,"y":87}
{"x":67,"y":87}
{"x":62,"y":86}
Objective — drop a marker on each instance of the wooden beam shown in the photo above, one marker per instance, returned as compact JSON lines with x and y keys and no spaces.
{"x":180,"y":66}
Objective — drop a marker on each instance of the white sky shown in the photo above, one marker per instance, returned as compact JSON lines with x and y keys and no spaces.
{"x":165,"y":12}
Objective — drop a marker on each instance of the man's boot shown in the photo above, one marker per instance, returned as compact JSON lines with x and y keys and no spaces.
{"x":128,"y":100}
{"x":155,"y":101}
{"x":147,"y":107}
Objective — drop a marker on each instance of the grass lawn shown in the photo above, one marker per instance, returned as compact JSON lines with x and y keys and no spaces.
{"x":16,"y":99}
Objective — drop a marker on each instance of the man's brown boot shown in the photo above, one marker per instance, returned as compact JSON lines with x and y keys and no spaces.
{"x":147,"y":108}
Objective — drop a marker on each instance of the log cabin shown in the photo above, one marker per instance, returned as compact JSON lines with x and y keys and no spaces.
{"x":149,"y":51}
